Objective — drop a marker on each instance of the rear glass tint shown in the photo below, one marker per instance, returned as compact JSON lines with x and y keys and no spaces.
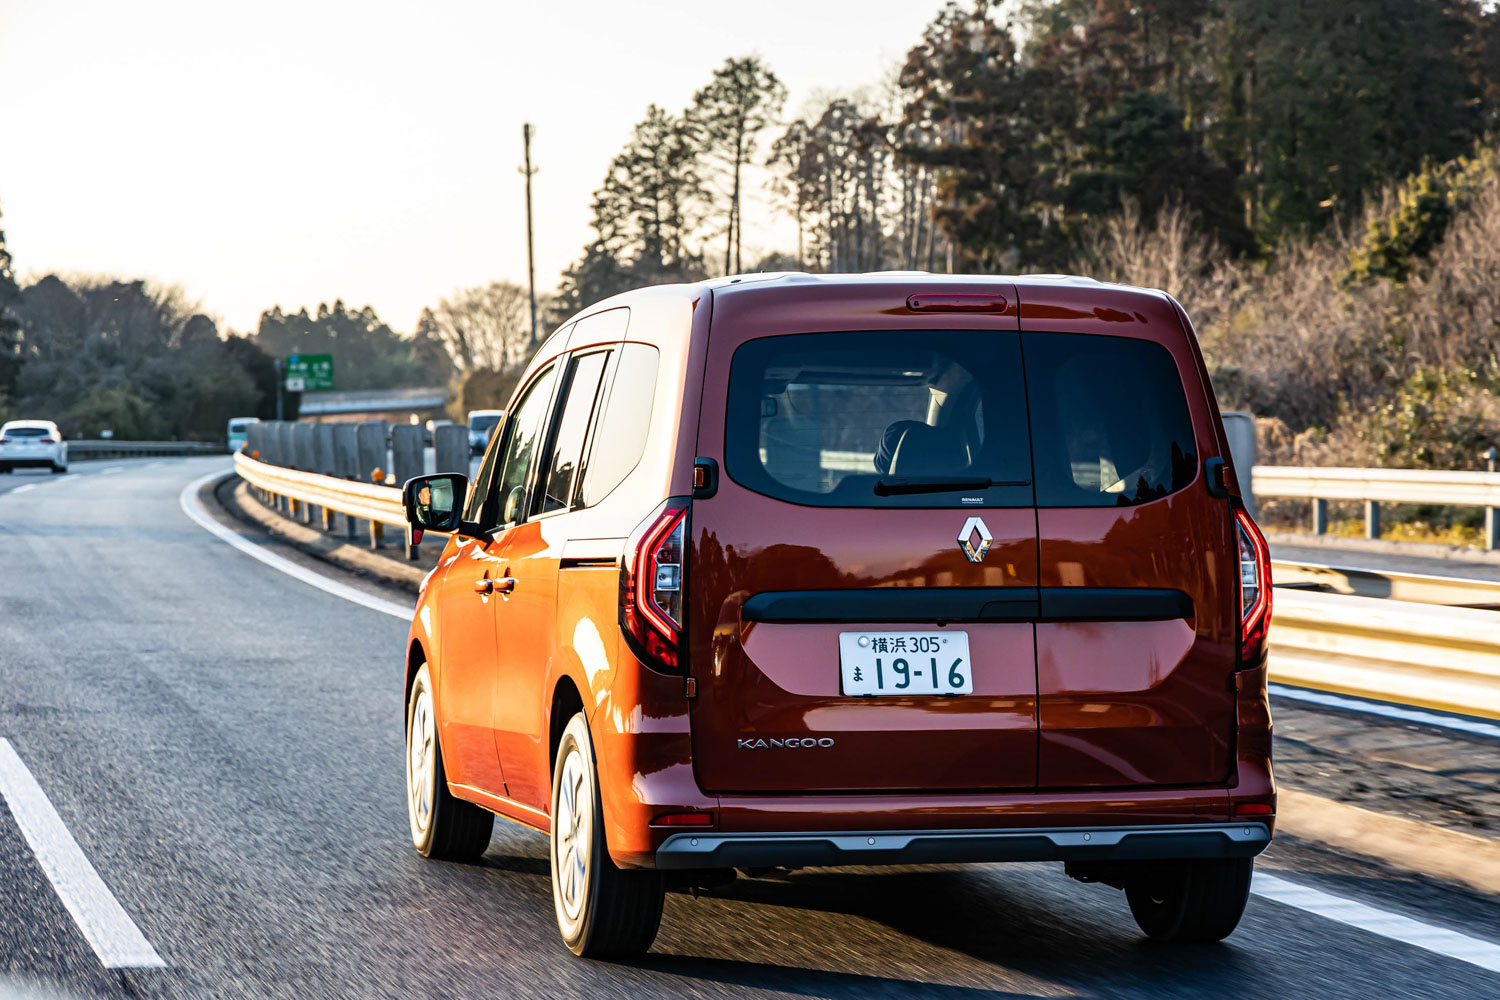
{"x":27,"y":432}
{"x":881,"y":419}
{"x":1109,"y":423}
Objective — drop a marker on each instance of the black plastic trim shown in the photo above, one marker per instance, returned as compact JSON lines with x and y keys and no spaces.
{"x":968,"y":604}
{"x":883,"y":847}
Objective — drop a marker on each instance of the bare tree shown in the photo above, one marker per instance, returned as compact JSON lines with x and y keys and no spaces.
{"x":484,"y":327}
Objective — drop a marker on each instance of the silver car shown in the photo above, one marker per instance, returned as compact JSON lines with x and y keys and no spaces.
{"x":35,"y":443}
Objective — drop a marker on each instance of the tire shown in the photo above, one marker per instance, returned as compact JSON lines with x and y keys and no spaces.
{"x":602,"y":911}
{"x":4,"y":467}
{"x":1200,"y":900}
{"x":58,"y":470}
{"x":442,"y":826}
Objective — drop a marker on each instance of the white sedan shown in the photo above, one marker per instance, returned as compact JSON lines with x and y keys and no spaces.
{"x":32,"y":442}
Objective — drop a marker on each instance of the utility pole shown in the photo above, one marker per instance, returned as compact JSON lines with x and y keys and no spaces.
{"x":530,"y":262}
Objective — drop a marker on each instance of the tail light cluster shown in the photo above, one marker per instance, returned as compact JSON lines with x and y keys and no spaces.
{"x":1255,"y":589}
{"x":651,"y":586}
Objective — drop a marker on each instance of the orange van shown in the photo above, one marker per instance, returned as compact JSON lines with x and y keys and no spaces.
{"x":788,"y":570}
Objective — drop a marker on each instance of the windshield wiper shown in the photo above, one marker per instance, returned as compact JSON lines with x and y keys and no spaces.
{"x":898,"y":485}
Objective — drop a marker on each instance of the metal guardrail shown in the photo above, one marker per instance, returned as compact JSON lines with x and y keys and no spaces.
{"x":1417,"y":654}
{"x":1377,"y":486}
{"x":296,"y":494}
{"x":1420,"y":588}
{"x":86,"y":450}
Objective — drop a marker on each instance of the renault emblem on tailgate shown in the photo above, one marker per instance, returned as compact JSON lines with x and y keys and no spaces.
{"x":974,"y":538}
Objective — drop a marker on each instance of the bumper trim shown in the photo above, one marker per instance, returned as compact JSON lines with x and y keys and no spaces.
{"x":883,"y":847}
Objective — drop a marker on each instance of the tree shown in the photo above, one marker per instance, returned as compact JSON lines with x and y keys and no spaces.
{"x":488,"y":326}
{"x":645,"y":218}
{"x":10,"y":326}
{"x":979,"y":114}
{"x":727,"y":118}
{"x":836,"y":171}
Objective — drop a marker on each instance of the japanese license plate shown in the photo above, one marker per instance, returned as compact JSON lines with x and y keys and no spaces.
{"x":905,"y":663}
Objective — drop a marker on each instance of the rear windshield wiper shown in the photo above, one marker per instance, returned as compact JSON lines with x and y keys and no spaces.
{"x":897,"y":485}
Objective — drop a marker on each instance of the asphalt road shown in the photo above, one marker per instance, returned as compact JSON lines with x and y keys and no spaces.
{"x":224,"y":743}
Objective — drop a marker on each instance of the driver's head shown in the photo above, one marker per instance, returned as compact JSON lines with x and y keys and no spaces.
{"x":424,"y":496}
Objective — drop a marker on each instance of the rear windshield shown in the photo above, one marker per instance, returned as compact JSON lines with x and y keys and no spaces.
{"x":956,"y":419}
{"x":238,"y":426}
{"x":27,"y":432}
{"x":486,"y":423}
{"x":881,"y":419}
{"x":1108,"y":420}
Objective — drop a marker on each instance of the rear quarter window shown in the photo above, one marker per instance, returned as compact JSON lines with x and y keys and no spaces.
{"x":619,"y":438}
{"x":1109,"y":422}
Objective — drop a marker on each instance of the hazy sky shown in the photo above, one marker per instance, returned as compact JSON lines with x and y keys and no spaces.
{"x":290,"y":153}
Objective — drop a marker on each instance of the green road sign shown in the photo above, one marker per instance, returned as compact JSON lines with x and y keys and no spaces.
{"x":309,"y":371}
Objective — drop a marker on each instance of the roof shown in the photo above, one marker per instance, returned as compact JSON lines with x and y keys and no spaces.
{"x":29,"y":423}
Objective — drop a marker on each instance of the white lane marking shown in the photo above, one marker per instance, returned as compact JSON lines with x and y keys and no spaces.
{"x":114,"y":937}
{"x":23,"y":489}
{"x":111,"y":470}
{"x":1386,"y":710}
{"x":1392,"y":926}
{"x":188,"y":500}
{"x":155,"y":465}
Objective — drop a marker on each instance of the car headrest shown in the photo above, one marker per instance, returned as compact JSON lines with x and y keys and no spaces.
{"x":925,"y":450}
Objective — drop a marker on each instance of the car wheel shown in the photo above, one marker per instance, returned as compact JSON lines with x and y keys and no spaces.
{"x":602,"y":911}
{"x":4,"y":467}
{"x":442,"y":826}
{"x":58,"y":470}
{"x":1199,"y":900}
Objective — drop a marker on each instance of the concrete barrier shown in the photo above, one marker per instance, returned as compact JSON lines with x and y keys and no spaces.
{"x":406,"y":452}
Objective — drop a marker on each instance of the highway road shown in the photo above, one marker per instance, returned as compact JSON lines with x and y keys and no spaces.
{"x":222,"y":743}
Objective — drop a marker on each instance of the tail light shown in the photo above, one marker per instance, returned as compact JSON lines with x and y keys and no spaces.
{"x":1255,"y":589}
{"x":47,"y":441}
{"x":651,"y":586}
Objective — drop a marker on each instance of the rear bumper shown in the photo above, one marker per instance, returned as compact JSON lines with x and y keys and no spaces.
{"x":1122,"y":843}
{"x":32,"y":461}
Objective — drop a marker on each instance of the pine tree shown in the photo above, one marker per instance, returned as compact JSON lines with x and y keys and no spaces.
{"x":727,"y":118}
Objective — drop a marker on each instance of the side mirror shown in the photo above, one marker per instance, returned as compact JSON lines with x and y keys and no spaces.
{"x":435,"y":503}
{"x":515,"y":505}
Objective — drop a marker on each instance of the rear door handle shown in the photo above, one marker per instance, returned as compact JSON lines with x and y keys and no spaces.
{"x":504,"y":585}
{"x":484,"y":586}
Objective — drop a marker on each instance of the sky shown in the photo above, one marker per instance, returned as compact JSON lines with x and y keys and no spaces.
{"x":294,"y":153}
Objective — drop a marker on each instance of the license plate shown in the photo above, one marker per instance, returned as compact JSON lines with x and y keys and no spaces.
{"x":905,"y":663}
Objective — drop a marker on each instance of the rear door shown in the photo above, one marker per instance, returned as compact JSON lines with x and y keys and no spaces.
{"x":1135,"y":647}
{"x":842,"y":639}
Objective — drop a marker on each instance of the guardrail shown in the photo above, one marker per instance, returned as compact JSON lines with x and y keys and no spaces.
{"x":296,"y":494}
{"x":87,"y":450}
{"x":1418,"y":654}
{"x":1420,"y":588}
{"x":1377,"y":486}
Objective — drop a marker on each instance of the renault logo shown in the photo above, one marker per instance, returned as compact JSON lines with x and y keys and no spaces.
{"x":974,"y":538}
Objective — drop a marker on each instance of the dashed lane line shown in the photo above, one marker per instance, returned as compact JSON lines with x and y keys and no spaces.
{"x":1386,"y":710}
{"x":23,"y":489}
{"x":104,"y":923}
{"x":111,"y":470}
{"x":193,"y":508}
{"x":1383,"y":923}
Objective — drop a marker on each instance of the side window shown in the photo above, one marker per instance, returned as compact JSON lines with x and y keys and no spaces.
{"x":578,"y":407}
{"x":620,"y":435}
{"x":521,"y":434}
{"x":1109,"y":423}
